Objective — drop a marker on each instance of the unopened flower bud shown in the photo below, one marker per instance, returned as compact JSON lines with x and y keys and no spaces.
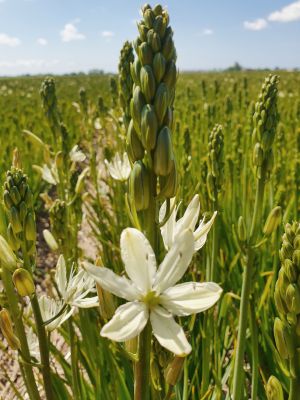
{"x":147,"y":83}
{"x":293,"y":298}
{"x":12,"y":239}
{"x":7,"y":330}
{"x":7,"y":256}
{"x":49,"y":239}
{"x":282,"y":338}
{"x":296,"y":258}
{"x":171,"y":75}
{"x":290,"y":270}
{"x":168,"y":184}
{"x":168,"y":48}
{"x":145,"y":53}
{"x":30,"y":227}
{"x":135,"y":69}
{"x":173,"y":371}
{"x":274,"y":389}
{"x":161,"y":102}
{"x":136,"y":105}
{"x":159,"y":66}
{"x":258,"y":155}
{"x":163,"y":153}
{"x":279,"y":303}
{"x":23,"y":282}
{"x":273,"y":220}
{"x":139,"y":186}
{"x":135,"y":148}
{"x":15,"y":220}
{"x":149,"y":127}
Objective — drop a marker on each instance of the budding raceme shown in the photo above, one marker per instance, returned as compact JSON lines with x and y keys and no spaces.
{"x":154,"y":75}
{"x":49,"y":101}
{"x":23,"y":282}
{"x":265,"y":121}
{"x":215,"y":162}
{"x":273,"y":221}
{"x":125,"y":81}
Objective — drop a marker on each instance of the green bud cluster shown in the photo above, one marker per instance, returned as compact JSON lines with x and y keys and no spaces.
{"x":215,"y":162}
{"x":154,"y":75}
{"x":265,"y":120}
{"x":49,"y":101}
{"x":125,"y":81}
{"x":287,"y":299}
{"x":17,"y":198}
{"x":58,"y":220}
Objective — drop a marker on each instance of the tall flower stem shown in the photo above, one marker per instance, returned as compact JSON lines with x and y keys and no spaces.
{"x":246,"y":290}
{"x":142,"y":367}
{"x":294,"y":388}
{"x":41,"y":334}
{"x":17,"y":319}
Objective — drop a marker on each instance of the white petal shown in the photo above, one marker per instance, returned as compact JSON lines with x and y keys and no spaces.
{"x":169,"y":334}
{"x":191,"y":297}
{"x":168,"y":229}
{"x":201,"y":232}
{"x":87,"y":302}
{"x":190,"y":217}
{"x":115,"y":284}
{"x":128,"y":322}
{"x":61,"y":275}
{"x":175,"y":262}
{"x":138,"y":257}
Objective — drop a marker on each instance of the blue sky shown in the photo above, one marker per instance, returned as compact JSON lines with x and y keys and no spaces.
{"x":40,"y":36}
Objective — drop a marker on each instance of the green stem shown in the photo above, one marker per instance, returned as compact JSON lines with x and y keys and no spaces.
{"x":142,"y":367}
{"x":74,"y":367}
{"x":41,"y":333}
{"x":294,"y":389}
{"x":20,"y":330}
{"x":254,"y":340}
{"x":246,"y":291}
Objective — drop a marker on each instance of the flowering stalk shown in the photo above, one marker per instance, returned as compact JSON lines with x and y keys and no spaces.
{"x":265,"y":122}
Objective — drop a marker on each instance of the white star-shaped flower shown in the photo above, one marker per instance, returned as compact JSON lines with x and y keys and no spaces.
{"x":75,"y":289}
{"x":54,"y":310}
{"x":119,"y":168}
{"x":76,"y":155}
{"x":171,"y":228}
{"x":151,"y":293}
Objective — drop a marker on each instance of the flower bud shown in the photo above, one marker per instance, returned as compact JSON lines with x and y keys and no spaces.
{"x":149,"y":18}
{"x":168,"y":184}
{"x":287,"y":250}
{"x":153,"y":40}
{"x":13,"y":241}
{"x":160,"y":26}
{"x":258,"y":155}
{"x":145,"y":54}
{"x":274,"y":389}
{"x":80,"y":181}
{"x":292,"y":298}
{"x":49,"y":239}
{"x":7,"y":330}
{"x":23,"y":282}
{"x":296,"y":242}
{"x":242,"y":232}
{"x":273,"y":220}
{"x":142,"y":30}
{"x":149,"y":127}
{"x":282,"y":338}
{"x":159,"y":66}
{"x":15,"y":220}
{"x":30,"y":227}
{"x":163,"y":153}
{"x":7,"y":200}
{"x":279,"y":303}
{"x":7,"y":256}
{"x":136,"y":105}
{"x":290,"y":270}
{"x":173,"y":371}
{"x":161,"y":102}
{"x":296,"y":258}
{"x":15,"y":195}
{"x":135,"y":148}
{"x":135,"y":69}
{"x":168,"y":48}
{"x":171,"y":75}
{"x":139,"y":186}
{"x":147,"y":83}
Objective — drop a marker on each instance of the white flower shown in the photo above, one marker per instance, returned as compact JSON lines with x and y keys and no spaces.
{"x":51,"y":308}
{"x":49,"y":175}
{"x":77,"y":155}
{"x":33,"y":344}
{"x":150,"y":292}
{"x":172,"y":228}
{"x":74,"y":290}
{"x":119,"y":168}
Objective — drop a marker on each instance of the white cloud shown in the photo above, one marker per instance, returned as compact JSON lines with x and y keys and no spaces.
{"x":207,"y":32}
{"x":70,"y":33}
{"x":256,"y":25}
{"x":107,"y":34}
{"x":42,"y":41}
{"x":9,"y":40}
{"x":288,"y":13}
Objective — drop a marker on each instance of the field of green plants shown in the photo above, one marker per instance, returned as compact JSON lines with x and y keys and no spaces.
{"x":115,"y":283}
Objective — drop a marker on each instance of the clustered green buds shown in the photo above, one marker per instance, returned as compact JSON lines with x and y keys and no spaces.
{"x":125,"y":81}
{"x":58,"y":220}
{"x":49,"y":100}
{"x":154,"y":74}
{"x":273,"y":220}
{"x":274,"y":389}
{"x":83,"y":100}
{"x":17,"y":198}
{"x":287,"y":299}
{"x":265,"y":121}
{"x":215,"y":162}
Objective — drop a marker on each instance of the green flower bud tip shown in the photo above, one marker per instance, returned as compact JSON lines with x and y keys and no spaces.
{"x":173,"y":370}
{"x":280,"y":339}
{"x":274,"y":389}
{"x":296,"y":258}
{"x":135,"y":148}
{"x":163,"y":154}
{"x":168,"y":184}
{"x":149,"y":127}
{"x":293,"y":298}
{"x":139,"y":186}
{"x":7,"y":330}
{"x":7,"y":256}
{"x":50,"y":240}
{"x":273,"y":221}
{"x":80,"y":181}
{"x":23,"y":282}
{"x":30,"y":227}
